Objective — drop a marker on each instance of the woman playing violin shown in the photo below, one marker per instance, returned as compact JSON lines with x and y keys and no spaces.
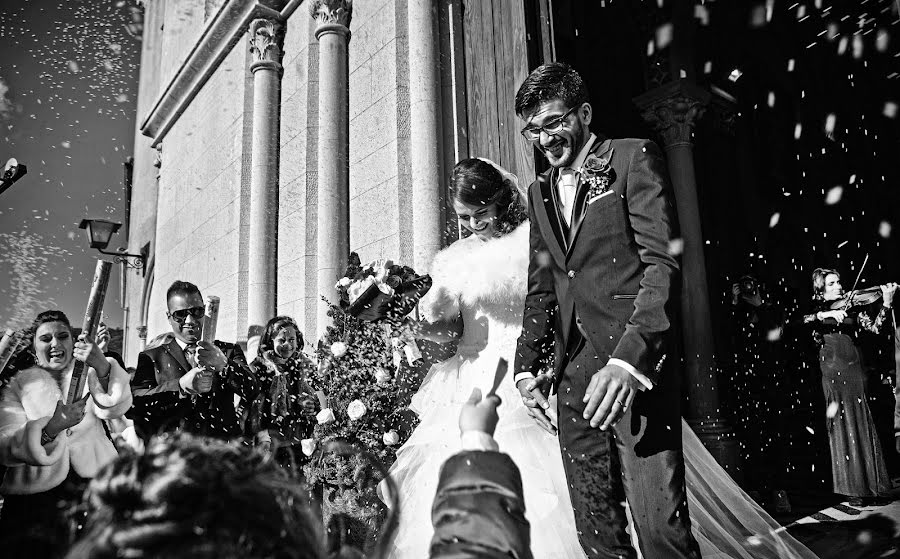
{"x":859,"y":469}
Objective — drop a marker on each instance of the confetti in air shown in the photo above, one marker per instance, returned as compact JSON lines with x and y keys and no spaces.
{"x":676,"y":247}
{"x":834,"y":195}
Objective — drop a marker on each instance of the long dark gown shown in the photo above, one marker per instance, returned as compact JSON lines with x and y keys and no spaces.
{"x":858,"y":463}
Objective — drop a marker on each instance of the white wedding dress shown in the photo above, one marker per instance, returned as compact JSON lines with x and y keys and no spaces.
{"x":485,"y":284}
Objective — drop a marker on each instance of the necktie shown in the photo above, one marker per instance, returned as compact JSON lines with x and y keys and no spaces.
{"x":190,"y":353}
{"x":567,"y":186}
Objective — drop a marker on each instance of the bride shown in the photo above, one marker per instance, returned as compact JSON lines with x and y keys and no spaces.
{"x":477,"y":299}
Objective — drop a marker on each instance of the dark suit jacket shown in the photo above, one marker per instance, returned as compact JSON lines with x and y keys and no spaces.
{"x":610,"y":277}
{"x":479,"y":510}
{"x":160,"y":407}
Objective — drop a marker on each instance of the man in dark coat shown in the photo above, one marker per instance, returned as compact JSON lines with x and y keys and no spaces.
{"x":599,"y":300}
{"x":183,"y":383}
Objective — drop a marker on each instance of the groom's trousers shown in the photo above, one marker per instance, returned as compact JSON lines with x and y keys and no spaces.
{"x":640,"y":459}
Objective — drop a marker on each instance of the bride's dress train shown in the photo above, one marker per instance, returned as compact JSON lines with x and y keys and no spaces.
{"x":484,"y":282}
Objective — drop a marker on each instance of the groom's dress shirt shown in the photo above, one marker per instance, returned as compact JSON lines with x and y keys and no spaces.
{"x":567,"y":184}
{"x":567,"y":189}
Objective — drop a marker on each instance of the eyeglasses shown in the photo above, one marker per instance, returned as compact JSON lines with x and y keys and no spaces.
{"x":181,"y":315}
{"x":555,"y":126}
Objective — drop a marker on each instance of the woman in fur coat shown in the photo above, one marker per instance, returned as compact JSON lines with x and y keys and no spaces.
{"x":51,"y":448}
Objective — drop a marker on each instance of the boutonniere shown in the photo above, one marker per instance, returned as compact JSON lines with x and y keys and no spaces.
{"x":598,"y":174}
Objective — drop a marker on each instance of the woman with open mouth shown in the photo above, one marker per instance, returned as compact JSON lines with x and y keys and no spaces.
{"x":51,"y":449}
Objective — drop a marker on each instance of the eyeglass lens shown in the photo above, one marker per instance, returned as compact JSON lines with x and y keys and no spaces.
{"x":181,"y":314}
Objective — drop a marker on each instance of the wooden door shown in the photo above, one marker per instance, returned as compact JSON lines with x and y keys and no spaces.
{"x":496,"y":62}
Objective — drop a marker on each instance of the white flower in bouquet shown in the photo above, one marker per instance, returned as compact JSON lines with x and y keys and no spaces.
{"x":356,"y":409}
{"x":308,"y":446}
{"x":325,"y":416}
{"x":391,"y":438}
{"x":338,"y":349}
{"x":343,"y":282}
{"x":357,"y":288}
{"x":382,"y":377}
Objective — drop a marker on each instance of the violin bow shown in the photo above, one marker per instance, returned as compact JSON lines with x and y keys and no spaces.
{"x":859,"y":275}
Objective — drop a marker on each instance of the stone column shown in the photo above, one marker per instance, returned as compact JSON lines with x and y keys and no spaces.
{"x":266,"y":41}
{"x":333,"y":238}
{"x":673,"y":110}
{"x":425,"y":131}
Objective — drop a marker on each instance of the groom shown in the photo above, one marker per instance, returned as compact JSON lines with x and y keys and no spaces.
{"x":599,"y":287}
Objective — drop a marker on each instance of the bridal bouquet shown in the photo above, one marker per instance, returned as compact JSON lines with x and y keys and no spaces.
{"x":380,"y":290}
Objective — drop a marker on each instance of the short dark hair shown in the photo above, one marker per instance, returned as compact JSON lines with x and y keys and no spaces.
{"x":181,"y":288}
{"x":193,"y":497}
{"x":478,"y":183}
{"x":556,"y":80}
{"x":272,"y":328}
{"x":50,"y":316}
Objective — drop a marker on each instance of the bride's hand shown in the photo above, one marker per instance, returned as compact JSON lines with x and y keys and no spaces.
{"x":534,"y":395}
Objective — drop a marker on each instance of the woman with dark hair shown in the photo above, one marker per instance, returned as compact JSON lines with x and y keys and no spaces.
{"x":51,"y":448}
{"x":858,"y":467}
{"x":284,"y":412}
{"x":476,"y":300}
{"x":191,"y":497}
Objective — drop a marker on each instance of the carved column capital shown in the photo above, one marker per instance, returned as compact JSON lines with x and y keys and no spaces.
{"x":266,"y":44}
{"x":329,"y":13}
{"x":673,"y":110}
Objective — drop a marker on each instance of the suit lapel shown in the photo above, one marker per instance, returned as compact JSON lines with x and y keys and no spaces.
{"x":601,"y":148}
{"x":175,"y":351}
{"x":546,"y":210}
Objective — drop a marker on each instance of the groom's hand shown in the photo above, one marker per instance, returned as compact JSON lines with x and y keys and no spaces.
{"x":534,"y":395}
{"x":609,"y":395}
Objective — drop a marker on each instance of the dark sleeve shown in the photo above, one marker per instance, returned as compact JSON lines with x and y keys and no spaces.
{"x":239,"y":377}
{"x":536,"y":342}
{"x":652,"y":220}
{"x":146,"y":379}
{"x":479,"y":510}
{"x":154,"y":406}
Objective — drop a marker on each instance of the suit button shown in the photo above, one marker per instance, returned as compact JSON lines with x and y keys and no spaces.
{"x":69,"y":432}
{"x":571,"y":274}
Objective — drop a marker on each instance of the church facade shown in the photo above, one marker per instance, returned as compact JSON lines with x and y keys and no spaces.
{"x":275,"y":136}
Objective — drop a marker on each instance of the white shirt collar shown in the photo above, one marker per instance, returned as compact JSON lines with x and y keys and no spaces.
{"x":181,"y":344}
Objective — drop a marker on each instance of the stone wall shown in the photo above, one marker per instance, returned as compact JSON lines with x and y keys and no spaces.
{"x":201,"y":228}
{"x":202,"y":199}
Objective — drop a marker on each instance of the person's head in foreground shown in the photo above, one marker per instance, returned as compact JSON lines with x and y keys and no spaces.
{"x":191,"y":497}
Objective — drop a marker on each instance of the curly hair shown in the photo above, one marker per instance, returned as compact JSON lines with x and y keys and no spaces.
{"x":478,"y":183}
{"x":193,"y":497}
{"x":555,"y":80}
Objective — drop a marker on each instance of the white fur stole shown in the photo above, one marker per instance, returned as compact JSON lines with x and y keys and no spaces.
{"x":471,"y":270}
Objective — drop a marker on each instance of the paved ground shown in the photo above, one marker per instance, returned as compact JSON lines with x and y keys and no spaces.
{"x":840,"y":531}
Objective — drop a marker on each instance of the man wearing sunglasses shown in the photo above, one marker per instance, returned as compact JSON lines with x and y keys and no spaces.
{"x":599,"y":291}
{"x":183,"y":383}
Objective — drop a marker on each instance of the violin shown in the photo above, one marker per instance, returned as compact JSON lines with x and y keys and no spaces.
{"x":857,"y":298}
